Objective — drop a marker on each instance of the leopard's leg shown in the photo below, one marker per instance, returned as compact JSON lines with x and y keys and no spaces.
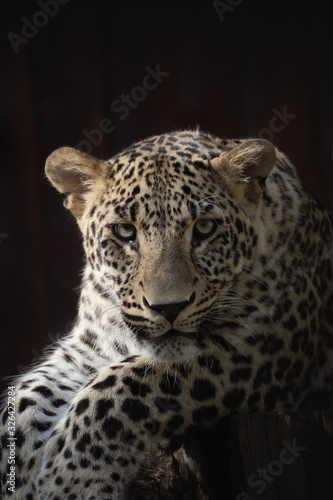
{"x":97,"y":450}
{"x":39,"y":400}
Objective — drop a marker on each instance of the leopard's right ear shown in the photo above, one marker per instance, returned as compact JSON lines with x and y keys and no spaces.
{"x":74,"y":174}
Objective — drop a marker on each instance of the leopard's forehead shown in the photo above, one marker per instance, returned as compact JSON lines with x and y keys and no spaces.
{"x":162,"y":173}
{"x":183,"y":147}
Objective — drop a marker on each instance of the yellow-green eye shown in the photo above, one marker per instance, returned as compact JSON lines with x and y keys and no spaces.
{"x":204,"y":228}
{"x":125,"y":232}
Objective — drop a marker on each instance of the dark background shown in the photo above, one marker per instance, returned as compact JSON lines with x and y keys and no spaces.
{"x":230,"y":72}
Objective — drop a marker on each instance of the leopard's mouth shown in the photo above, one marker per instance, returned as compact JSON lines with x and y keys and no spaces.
{"x":172,"y":333}
{"x":198,"y":334}
{"x":176,"y":333}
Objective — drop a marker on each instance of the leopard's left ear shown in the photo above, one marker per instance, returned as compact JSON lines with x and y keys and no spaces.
{"x":246,"y":167}
{"x":74,"y":174}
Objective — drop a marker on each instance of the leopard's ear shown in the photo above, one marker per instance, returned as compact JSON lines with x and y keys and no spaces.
{"x":246,"y":167}
{"x":74,"y":174}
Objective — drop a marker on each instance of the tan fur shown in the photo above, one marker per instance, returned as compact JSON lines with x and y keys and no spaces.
{"x":245,"y":165}
{"x":73,"y":173}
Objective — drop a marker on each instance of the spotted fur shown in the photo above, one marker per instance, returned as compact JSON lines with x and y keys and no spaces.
{"x":206,"y":291}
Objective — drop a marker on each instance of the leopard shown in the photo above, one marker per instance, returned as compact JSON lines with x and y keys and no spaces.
{"x":206,"y":292}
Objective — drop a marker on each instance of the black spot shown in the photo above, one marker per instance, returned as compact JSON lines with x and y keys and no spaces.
{"x":120,"y":348}
{"x":303,"y":309}
{"x":295,"y":370}
{"x":123,"y":461}
{"x":239,"y":225}
{"x":254,"y":399}
{"x":47,"y":412}
{"x":271,"y":345}
{"x":20,"y":438}
{"x":186,"y":189}
{"x":241,"y":358}
{"x":67,"y":454}
{"x":283,"y":363}
{"x":31,"y":463}
{"x":96,"y":452}
{"x":82,"y":406}
{"x":106,"y":383}
{"x":131,"y":359}
{"x":84,"y":463}
{"x":182,"y":368}
{"x":25,"y":403}
{"x":60,"y":444}
{"x":263,"y":375}
{"x":102,"y":407}
{"x":65,"y":387}
{"x":134,"y":209}
{"x":254,"y":339}
{"x":202,"y":389}
{"x":204,"y":413}
{"x":91,"y":213}
{"x":136,"y":388}
{"x":223,"y":342}
{"x":75,"y":431}
{"x":250,"y":309}
{"x":135,"y":409}
{"x":170,"y":385}
{"x":59,"y":402}
{"x":152,"y":427}
{"x":141,"y":446}
{"x":211,"y":363}
{"x":175,"y":422}
{"x":309,"y":351}
{"x":41,"y":426}
{"x":263,"y":260}
{"x":234,"y":398}
{"x":271,"y":397}
{"x":43,"y":390}
{"x":143,"y":370}
{"x":111,"y":426}
{"x":240,"y":374}
{"x":166,"y":404}
{"x":291,"y":323}
{"x":128,"y":437}
{"x":4,"y":416}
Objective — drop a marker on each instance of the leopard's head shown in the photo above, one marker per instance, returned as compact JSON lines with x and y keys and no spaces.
{"x":168,"y":226}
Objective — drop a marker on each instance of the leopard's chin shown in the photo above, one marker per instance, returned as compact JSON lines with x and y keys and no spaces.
{"x":172,"y":347}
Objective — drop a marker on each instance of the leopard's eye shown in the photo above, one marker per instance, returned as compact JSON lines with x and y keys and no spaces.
{"x":204,"y":228}
{"x":124,"y":232}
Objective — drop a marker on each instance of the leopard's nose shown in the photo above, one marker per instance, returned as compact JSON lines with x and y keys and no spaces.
{"x":169,"y":311}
